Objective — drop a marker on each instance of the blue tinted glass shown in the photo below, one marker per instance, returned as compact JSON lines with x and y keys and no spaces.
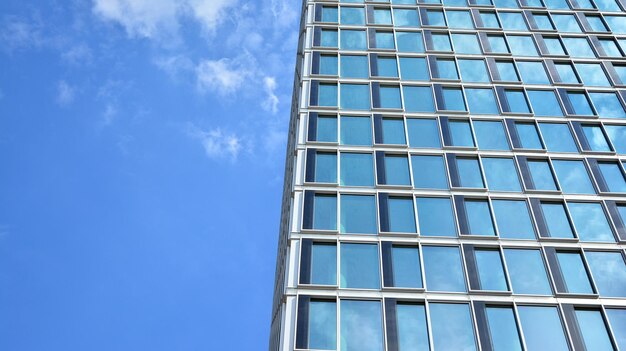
{"x":573,"y":177}
{"x":610,"y":47}
{"x":544,"y":103}
{"x":325,"y":167}
{"x":355,"y":96}
{"x":441,"y":42}
{"x":490,"y":20}
{"x":609,"y":272}
{"x":469,"y":173}
{"x":352,"y":15}
{"x":387,"y":67}
{"x":558,"y":137}
{"x":522,"y":45}
{"x":327,"y":95}
{"x":503,"y":329}
{"x":517,"y":101}
{"x":566,"y":73}
{"x":382,"y":16}
{"x":574,"y":273}
{"x":453,"y":98}
{"x":527,"y":272}
{"x":506,"y":3}
{"x":541,"y":175}
{"x":435,"y":216}
{"x":447,"y":69}
{"x":474,"y":71}
{"x":513,"y":219}
{"x":357,"y":169}
{"x":326,"y":129}
{"x":328,"y":64}
{"x":543,"y":22}
{"x":443,"y":269}
{"x":578,"y":47}
{"x":595,"y":137}
{"x":406,"y":267}
{"x":353,"y":39}
{"x":393,"y":131}
{"x":329,"y":38}
{"x":435,"y":18}
{"x":617,"y":134}
{"x":323,"y":325}
{"x":397,"y":170}
{"x":401,"y":215}
{"x":613,"y":177}
{"x":324,"y":264}
{"x":542,"y":328}
{"x":461,"y":133}
{"x":329,"y":14}
{"x":481,"y":101}
{"x":617,"y":318}
{"x":592,"y":74}
{"x":358,"y":214}
{"x":359,"y":266}
{"x":557,"y":4}
{"x":590,"y":222}
{"x":556,"y":220}
{"x":429,"y":172}
{"x":490,"y":135}
{"x":412,"y":330}
{"x":608,"y":105}
{"x":528,"y":135}
{"x":607,"y":5}
{"x":406,"y":18}
{"x":479,"y":217}
{"x":593,"y":330}
{"x":325,"y":212}
{"x":452,"y":327}
{"x":390,"y":97}
{"x":410,"y":42}
{"x":497,"y":43}
{"x":621,"y":72}
{"x":423,"y":133}
{"x":413,"y":68}
{"x":418,"y":99}
{"x":532,"y":72}
{"x":580,"y":103}
{"x":513,"y":21}
{"x":466,"y":44}
{"x":554,"y":45}
{"x":357,"y":316}
{"x":384,"y":40}
{"x":354,"y":66}
{"x":490,"y":270}
{"x":566,"y":23}
{"x":596,"y":24}
{"x":507,"y":71}
{"x":501,"y":174}
{"x":460,"y":19}
{"x":356,"y":130}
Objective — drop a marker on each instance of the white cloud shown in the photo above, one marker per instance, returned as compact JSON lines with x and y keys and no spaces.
{"x":271,"y":102}
{"x":175,"y":66}
{"x":78,"y":55}
{"x":209,"y":12}
{"x":65,"y":93}
{"x":218,"y":144}
{"x":19,"y":32}
{"x":109,"y":114}
{"x":224,"y":76}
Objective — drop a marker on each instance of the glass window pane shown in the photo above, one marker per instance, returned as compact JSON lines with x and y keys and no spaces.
{"x":329,"y":14}
{"x":397,"y":170}
{"x":359,"y":266}
{"x":401,"y":215}
{"x":474,"y":71}
{"x":528,"y":135}
{"x":446,"y":69}
{"x":532,"y":72}
{"x":497,"y":43}
{"x":507,"y":71}
{"x":353,"y":39}
{"x":566,"y":73}
{"x":435,"y":216}
{"x":413,"y":68}
{"x":390,"y":97}
{"x":352,"y":15}
{"x":558,"y":137}
{"x":357,"y":169}
{"x":356,"y":130}
{"x":443,"y":269}
{"x":513,"y":21}
{"x":461,"y":133}
{"x":501,"y":174}
{"x":412,"y":330}
{"x":617,"y":134}
{"x":441,"y":42}
{"x":490,"y":270}
{"x":384,"y":40}
{"x":613,"y":177}
{"x":609,"y":272}
{"x":357,"y":316}
{"x":573,"y":177}
{"x":610,"y":47}
{"x":481,"y":101}
{"x":393,"y":131}
{"x":387,"y":67}
{"x":592,"y":74}
{"x":429,"y":172}
{"x":327,"y":95}
{"x":607,"y":105}
{"x":435,"y":18}
{"x":595,"y":137}
{"x":423,"y":133}
{"x":452,"y":327}
{"x":590,"y":221}
{"x":566,"y":23}
{"x":517,"y":101}
{"x":490,"y":20}
{"x":574,"y":273}
{"x":466,"y":44}
{"x":607,"y":5}
{"x":513,"y":219}
{"x":406,"y":267}
{"x":410,"y":42}
{"x":593,"y":330}
{"x":491,"y":135}
{"x":542,"y":328}
{"x":328,"y":64}
{"x":544,"y":103}
{"x":324,"y":264}
{"x":358,"y":214}
{"x":418,"y":99}
{"x":322,"y":325}
{"x":596,"y":23}
{"x":506,"y":3}
{"x":325,"y":212}
{"x":355,"y":96}
{"x":543,"y":22}
{"x":503,"y":329}
{"x":555,"y":46}
{"x":522,"y":45}
{"x":578,"y":47}
{"x":354,"y":66}
{"x":328,"y":38}
{"x":382,"y":16}
{"x":406,"y":18}
{"x":453,"y":99}
{"x":580,"y":103}
{"x":527,"y":272}
{"x":469,"y":173}
{"x":556,"y":220}
{"x":460,"y":19}
{"x":325,"y":167}
{"x":617,"y":318}
{"x":541,"y":175}
{"x":326,"y":129}
{"x":479,"y":217}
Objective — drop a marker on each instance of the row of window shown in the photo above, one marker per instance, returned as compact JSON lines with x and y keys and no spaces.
{"x":368,"y":325}
{"x":466,"y":19}
{"x":602,"y":5}
{"x":469,"y":70}
{"x":475,"y":216}
{"x":469,"y":43}
{"x":490,"y":269}
{"x":466,"y":99}
{"x":460,"y":133}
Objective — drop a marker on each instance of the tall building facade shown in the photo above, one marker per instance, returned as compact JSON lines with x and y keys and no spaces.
{"x":455,"y":178}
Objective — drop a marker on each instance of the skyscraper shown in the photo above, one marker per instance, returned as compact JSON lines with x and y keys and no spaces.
{"x":455,"y":178}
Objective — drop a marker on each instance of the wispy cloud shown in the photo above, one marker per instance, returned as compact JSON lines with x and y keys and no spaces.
{"x":224,"y":76}
{"x":78,"y":55}
{"x":109,"y":114}
{"x":217,"y":143}
{"x":18,"y":32}
{"x":65,"y":93}
{"x":271,"y":102}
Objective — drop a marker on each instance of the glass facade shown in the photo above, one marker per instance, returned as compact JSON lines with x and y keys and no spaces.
{"x":455,"y":178}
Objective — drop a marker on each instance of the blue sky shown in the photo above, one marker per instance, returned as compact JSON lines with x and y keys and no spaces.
{"x":142,"y":145}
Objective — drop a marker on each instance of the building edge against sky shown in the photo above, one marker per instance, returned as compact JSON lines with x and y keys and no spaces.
{"x":455,"y":166}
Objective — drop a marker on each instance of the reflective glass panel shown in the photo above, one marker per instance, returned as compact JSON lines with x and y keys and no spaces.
{"x":324,"y":264}
{"x":593,"y":330}
{"x":528,"y":135}
{"x":542,"y":328}
{"x":491,"y":135}
{"x":532,"y":72}
{"x":513,"y":219}
{"x":423,"y":133}
{"x":556,"y":220}
{"x":461,"y":133}
{"x":353,"y":39}
{"x":490,"y":270}
{"x":574,"y":273}
{"x":479,"y":217}
{"x":544,"y":103}
{"x":322,"y":325}
{"x":541,"y":175}
{"x":527,"y":272}
{"x":325,"y":167}
{"x":356,"y":130}
{"x":355,"y":96}
{"x":401,"y":215}
{"x":412,"y":329}
{"x":357,"y":316}
{"x":607,"y":105}
{"x":325,"y":212}
{"x":354,"y":66}
{"x":406,"y":267}
{"x":358,"y":214}
{"x":573,"y":177}
{"x":413,"y":68}
{"x":397,"y":170}
{"x":481,"y":101}
{"x":590,"y":221}
{"x":357,"y":169}
{"x":393,"y":131}
{"x":609,"y":272}
{"x":503,"y":329}
{"x":501,"y":174}
{"x":435,"y":216}
{"x":474,"y":71}
{"x":429,"y":172}
{"x":418,"y":99}
{"x":558,"y":137}
{"x":359,"y":266}
{"x":469,"y":173}
{"x":443,"y":268}
{"x":617,"y":318}
{"x":595,"y":137}
{"x":613,"y":177}
{"x":452,"y":327}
